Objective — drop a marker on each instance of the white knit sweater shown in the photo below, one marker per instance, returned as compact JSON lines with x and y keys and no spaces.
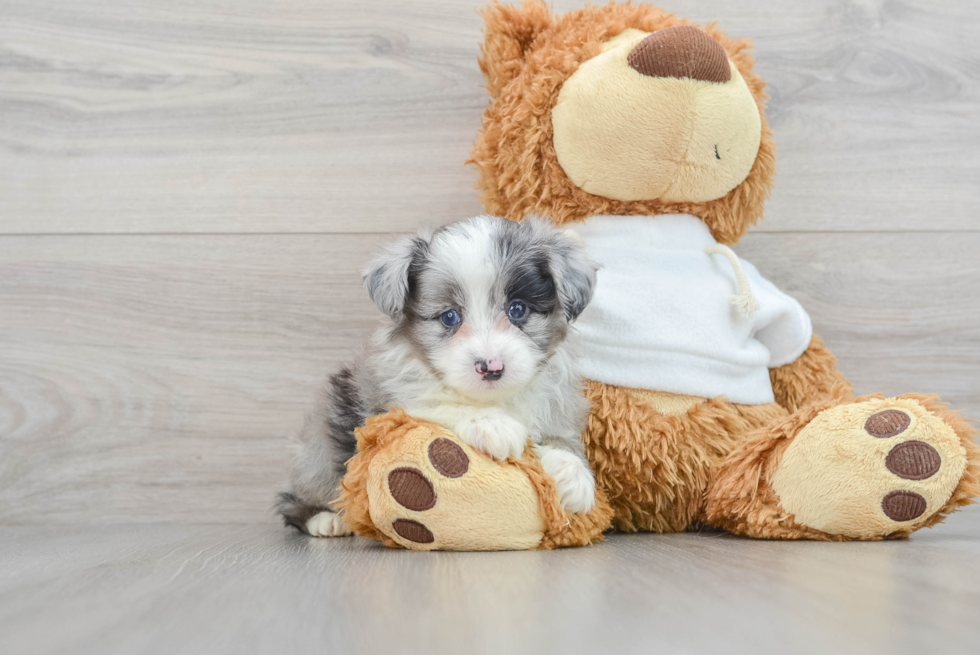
{"x":662,"y":317}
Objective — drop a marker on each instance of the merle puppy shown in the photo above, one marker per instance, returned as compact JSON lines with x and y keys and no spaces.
{"x":474,"y":339}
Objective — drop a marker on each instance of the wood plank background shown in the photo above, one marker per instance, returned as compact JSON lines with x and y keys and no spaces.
{"x":188,"y":190}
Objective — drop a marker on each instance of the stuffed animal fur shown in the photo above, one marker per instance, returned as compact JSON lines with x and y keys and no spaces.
{"x":641,"y":131}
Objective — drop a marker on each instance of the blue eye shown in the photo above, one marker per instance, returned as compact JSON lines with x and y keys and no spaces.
{"x":450,"y":318}
{"x":517,"y":310}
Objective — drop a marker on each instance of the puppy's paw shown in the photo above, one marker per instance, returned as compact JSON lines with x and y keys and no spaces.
{"x":327,"y":524}
{"x":576,"y":484}
{"x":495,"y":433}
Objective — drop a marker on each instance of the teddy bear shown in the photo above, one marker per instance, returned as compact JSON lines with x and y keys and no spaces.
{"x":713,"y":403}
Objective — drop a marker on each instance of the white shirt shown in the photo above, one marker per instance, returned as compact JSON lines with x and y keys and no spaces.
{"x":662,"y":316}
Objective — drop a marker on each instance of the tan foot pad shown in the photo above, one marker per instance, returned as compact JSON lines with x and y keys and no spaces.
{"x":434,"y":492}
{"x":414,"y":484}
{"x":870,"y":469}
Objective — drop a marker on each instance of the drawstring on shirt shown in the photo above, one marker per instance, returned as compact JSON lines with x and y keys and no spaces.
{"x":744,"y":301}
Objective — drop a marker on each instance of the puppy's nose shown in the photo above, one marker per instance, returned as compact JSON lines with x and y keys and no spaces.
{"x":490,"y":369}
{"x":681,"y":51}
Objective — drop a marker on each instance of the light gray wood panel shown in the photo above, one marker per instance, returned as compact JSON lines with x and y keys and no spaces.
{"x":191,"y":116}
{"x":159,"y":378}
{"x":226,"y":589}
{"x":302,"y":116}
{"x":900,"y":311}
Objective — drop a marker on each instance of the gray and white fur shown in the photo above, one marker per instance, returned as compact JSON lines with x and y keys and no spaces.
{"x":474,"y":339}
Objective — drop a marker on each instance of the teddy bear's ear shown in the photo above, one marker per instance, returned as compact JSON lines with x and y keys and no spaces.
{"x":509,"y":33}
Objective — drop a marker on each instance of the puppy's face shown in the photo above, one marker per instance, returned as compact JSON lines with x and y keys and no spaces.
{"x":484,"y":302}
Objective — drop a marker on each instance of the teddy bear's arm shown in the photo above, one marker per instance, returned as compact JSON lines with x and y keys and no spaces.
{"x":812,"y":377}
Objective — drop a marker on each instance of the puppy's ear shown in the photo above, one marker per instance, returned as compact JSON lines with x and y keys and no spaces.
{"x":573,"y":272}
{"x":574,"y":275}
{"x":510,"y":31}
{"x":387,"y":277}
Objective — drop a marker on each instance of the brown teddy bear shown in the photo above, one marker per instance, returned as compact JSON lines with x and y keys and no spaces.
{"x":712,"y":401}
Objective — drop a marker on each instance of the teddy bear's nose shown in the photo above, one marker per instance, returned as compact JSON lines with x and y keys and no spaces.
{"x":681,"y":51}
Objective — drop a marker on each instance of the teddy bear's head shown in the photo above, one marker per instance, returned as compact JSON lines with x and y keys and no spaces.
{"x":621,"y":109}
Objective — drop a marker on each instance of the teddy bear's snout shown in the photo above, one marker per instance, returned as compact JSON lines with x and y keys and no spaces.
{"x":683,"y":51}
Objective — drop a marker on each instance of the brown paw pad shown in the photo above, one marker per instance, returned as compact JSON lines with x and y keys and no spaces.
{"x":448,"y":458}
{"x":413,"y":531}
{"x":887,"y":423}
{"x":903,"y":505}
{"x":913,"y":460}
{"x":412,"y":490}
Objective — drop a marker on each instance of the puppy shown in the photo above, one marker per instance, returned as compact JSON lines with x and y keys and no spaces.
{"x":474,"y":340}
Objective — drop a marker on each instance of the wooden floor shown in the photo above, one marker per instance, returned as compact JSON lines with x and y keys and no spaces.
{"x":188,"y":190}
{"x":260,"y":589}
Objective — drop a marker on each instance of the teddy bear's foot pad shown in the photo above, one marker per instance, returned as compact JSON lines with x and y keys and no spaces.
{"x":413,"y":531}
{"x":909,"y":460}
{"x":413,"y":491}
{"x":436,"y":493}
{"x":869,"y":469}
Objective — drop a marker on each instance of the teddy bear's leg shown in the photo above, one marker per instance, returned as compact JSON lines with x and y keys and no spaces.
{"x":415,"y":485}
{"x":841,"y":469}
{"x":652,"y":453}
